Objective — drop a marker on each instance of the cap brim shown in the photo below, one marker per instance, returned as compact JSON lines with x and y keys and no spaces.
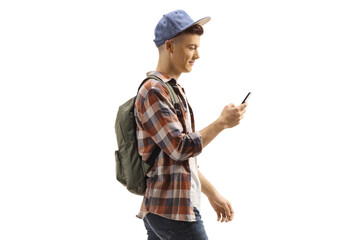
{"x":202,"y":21}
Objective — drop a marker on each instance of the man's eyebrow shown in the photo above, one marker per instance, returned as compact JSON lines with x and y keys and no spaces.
{"x":192,"y":45}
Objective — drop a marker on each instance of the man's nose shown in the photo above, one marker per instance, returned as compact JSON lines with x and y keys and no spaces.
{"x":197,"y":55}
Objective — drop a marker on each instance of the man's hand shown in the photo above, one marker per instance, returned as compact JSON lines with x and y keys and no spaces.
{"x":231,"y":115}
{"x":222,"y":208}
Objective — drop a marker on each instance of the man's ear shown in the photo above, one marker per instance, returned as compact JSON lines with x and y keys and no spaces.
{"x":169,"y":46}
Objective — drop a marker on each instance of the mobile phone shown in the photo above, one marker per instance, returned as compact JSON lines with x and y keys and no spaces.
{"x":246,"y":98}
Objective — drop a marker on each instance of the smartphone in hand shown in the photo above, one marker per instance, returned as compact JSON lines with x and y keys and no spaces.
{"x":246,"y":98}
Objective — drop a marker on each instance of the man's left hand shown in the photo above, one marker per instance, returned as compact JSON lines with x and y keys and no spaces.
{"x":222,"y":208}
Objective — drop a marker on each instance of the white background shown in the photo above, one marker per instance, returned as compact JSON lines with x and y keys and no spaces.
{"x":290,"y":169}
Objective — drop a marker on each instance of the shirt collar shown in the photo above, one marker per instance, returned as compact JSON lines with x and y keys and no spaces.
{"x":162,"y":76}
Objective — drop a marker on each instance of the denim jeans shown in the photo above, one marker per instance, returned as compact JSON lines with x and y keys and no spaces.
{"x":159,"y":228}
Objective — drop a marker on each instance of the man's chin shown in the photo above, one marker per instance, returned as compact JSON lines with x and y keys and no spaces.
{"x":188,"y":69}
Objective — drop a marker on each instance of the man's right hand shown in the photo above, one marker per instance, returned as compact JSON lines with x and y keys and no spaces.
{"x":231,"y":115}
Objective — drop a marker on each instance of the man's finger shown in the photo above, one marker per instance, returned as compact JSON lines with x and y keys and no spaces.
{"x":219,"y":216}
{"x":242,"y":106}
{"x":227,"y":212}
{"x":223,"y":217}
{"x":231,"y":212}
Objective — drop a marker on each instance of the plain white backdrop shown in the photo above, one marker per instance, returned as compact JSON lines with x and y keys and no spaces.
{"x":290,"y":169}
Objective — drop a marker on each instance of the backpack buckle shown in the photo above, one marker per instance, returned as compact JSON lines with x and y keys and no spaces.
{"x":177,"y":109}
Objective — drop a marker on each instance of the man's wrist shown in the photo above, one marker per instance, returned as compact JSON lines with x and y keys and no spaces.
{"x":211,"y":193}
{"x":219,"y":124}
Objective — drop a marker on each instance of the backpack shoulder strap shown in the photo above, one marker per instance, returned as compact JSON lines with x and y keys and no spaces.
{"x":173,"y":97}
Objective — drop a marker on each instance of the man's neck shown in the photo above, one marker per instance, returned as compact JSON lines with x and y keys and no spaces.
{"x":168,"y":71}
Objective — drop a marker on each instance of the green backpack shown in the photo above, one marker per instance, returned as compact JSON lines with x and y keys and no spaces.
{"x":131,"y":170}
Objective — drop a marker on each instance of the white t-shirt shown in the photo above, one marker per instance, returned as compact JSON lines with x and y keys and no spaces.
{"x":195,"y":194}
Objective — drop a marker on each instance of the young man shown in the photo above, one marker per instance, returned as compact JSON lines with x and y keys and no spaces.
{"x":170,"y":208}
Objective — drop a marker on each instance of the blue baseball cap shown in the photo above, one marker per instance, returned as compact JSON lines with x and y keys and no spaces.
{"x":172,"y":24}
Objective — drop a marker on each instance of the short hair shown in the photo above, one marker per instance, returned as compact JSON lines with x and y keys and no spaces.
{"x":194,"y":29}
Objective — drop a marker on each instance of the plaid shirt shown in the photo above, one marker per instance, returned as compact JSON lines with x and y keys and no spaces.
{"x":169,"y":182}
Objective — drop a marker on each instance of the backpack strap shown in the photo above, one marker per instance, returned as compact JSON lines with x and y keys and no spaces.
{"x":173,"y":96}
{"x":153,"y":156}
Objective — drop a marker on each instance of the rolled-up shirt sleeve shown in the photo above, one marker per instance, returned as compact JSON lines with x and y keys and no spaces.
{"x":160,"y":122}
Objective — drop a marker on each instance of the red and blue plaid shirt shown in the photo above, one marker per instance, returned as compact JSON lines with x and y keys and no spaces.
{"x":169,"y":182}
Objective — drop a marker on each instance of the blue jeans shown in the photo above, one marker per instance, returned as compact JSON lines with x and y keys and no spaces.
{"x":159,"y":228}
